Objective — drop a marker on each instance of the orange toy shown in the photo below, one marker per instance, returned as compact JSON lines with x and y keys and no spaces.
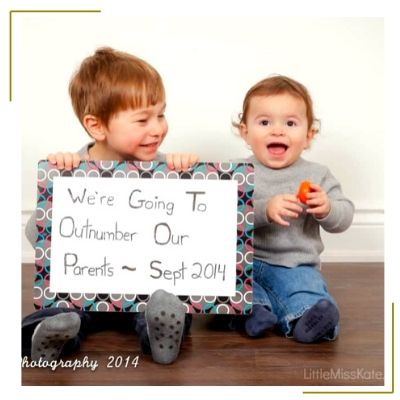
{"x":304,"y":188}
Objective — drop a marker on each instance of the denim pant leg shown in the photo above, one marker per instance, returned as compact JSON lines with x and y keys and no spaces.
{"x":292,"y":291}
{"x":260,"y":295}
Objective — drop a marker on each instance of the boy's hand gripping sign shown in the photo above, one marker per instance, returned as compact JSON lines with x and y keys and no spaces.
{"x":111,"y":233}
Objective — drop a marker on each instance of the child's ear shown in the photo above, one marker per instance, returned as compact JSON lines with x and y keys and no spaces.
{"x":314,"y":129}
{"x":243,"y":131}
{"x":94,"y":127}
{"x":310,"y":136}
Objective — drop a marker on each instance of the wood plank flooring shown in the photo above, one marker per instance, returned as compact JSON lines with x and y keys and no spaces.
{"x":213,"y":357}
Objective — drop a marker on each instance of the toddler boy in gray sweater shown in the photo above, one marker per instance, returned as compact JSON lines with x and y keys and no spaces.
{"x":120,"y":101}
{"x":278,"y":123}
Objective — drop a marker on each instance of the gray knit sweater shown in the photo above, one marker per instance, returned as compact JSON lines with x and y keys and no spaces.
{"x":300,"y":243}
{"x":31,"y":230}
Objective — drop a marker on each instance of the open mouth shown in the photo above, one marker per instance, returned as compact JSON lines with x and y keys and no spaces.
{"x":277,"y":149}
{"x":150,"y":145}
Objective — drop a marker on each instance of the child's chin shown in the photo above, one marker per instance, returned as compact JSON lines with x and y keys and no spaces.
{"x":148,"y":156}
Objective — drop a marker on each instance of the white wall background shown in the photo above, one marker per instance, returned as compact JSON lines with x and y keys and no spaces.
{"x":207,"y":64}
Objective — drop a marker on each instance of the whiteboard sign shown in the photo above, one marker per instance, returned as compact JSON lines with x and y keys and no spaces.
{"x":135,"y":236}
{"x":116,"y":232}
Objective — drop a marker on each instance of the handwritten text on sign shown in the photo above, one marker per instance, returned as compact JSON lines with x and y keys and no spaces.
{"x":139,"y":235}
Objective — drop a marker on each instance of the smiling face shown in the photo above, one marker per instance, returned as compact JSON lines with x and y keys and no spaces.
{"x":130,"y":134}
{"x":276,"y":129}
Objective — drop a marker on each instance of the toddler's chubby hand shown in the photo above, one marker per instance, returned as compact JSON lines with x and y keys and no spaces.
{"x":318,"y":202}
{"x":283,"y":205}
{"x":66,"y":160}
{"x":181,"y":161}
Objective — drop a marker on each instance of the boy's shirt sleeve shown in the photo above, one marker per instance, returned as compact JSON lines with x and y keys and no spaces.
{"x":341,"y":214}
{"x":160,"y":157}
{"x":260,"y":213}
{"x":31,"y":230}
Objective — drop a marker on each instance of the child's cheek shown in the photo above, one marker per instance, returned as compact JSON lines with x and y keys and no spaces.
{"x":132,"y":143}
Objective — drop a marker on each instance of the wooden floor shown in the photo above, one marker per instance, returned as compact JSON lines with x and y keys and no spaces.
{"x":214,"y":357}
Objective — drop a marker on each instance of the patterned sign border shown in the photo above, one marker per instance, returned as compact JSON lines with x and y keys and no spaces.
{"x":240,"y":303}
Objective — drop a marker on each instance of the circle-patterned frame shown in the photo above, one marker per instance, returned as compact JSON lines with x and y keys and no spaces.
{"x":240,"y":303}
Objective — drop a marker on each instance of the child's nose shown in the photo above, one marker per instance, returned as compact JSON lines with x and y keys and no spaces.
{"x":277,"y":130}
{"x":157,"y":129}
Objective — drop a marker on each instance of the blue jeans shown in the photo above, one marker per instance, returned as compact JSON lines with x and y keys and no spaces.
{"x":289,"y":292}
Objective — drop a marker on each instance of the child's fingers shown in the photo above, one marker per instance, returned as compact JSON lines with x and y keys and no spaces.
{"x":75,"y":160}
{"x":181,"y":162}
{"x":185,"y":161}
{"x":60,"y":160}
{"x":68,"y":161}
{"x":315,"y":187}
{"x":276,"y":217}
{"x":312,"y":204}
{"x":317,"y":210}
{"x":64,"y":160}
{"x":188,"y":160}
{"x":316,"y":199}
{"x":279,"y":220}
{"x":174,"y":161}
{"x":169,"y":161}
{"x":290,"y":198}
{"x":177,"y":161}
{"x":293,"y":206}
{"x":51,"y":158}
{"x":290,"y":214}
{"x":193,"y":159}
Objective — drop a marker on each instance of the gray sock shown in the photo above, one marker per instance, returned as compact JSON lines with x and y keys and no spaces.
{"x":52,"y":333}
{"x":165,"y":317}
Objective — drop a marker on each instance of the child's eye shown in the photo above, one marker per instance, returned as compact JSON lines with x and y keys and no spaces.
{"x":264,"y":122}
{"x":161,"y":116}
{"x":142,"y":121}
{"x":291,"y":123}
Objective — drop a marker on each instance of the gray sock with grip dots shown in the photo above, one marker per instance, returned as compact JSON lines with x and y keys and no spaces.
{"x":50,"y":336}
{"x":165,"y":317}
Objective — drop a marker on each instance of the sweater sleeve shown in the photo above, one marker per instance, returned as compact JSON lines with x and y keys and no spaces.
{"x":341,"y":214}
{"x":31,"y":230}
{"x":260,"y":214}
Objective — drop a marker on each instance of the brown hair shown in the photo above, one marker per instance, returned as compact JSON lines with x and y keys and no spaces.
{"x":278,"y":85}
{"x":111,"y":81}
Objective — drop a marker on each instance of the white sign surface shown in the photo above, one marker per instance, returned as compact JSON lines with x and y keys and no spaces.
{"x":138,"y":235}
